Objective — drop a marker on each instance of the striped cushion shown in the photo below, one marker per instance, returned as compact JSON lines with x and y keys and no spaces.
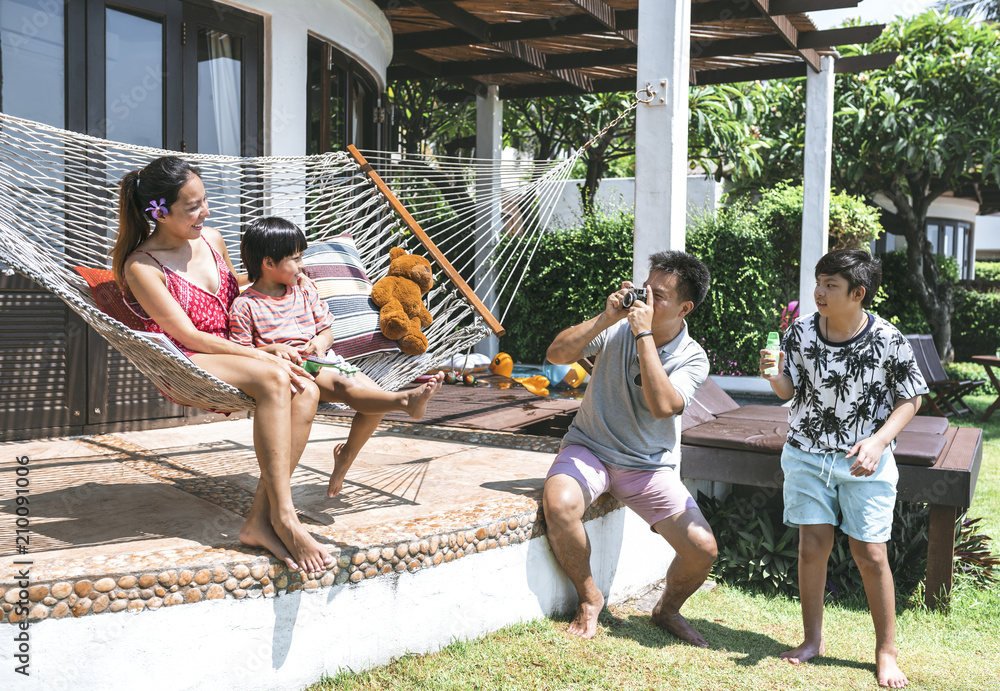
{"x":340,"y":277}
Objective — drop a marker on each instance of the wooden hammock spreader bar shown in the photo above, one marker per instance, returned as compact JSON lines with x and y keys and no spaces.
{"x":415,"y":228}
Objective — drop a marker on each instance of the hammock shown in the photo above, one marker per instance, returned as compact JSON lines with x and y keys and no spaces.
{"x":58,"y":209}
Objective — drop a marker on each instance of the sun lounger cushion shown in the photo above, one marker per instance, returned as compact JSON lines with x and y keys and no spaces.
{"x":777,"y":413}
{"x":912,"y":448}
{"x":336,"y":268}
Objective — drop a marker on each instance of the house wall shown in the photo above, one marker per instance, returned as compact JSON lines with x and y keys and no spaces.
{"x":356,"y":27}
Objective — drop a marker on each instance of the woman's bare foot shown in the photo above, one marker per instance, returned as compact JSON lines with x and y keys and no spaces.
{"x":308,"y":553}
{"x":676,"y":624}
{"x":804,"y":652}
{"x":584,"y":624}
{"x":888,"y":672}
{"x":416,"y":399}
{"x":341,"y":464}
{"x":259,"y":533}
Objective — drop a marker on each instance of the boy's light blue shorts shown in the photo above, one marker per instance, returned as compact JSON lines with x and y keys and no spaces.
{"x":818,"y":487}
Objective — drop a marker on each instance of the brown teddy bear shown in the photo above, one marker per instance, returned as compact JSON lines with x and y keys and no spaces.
{"x":402,"y":312}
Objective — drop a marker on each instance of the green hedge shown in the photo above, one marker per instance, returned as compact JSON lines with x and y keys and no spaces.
{"x":988,"y":271}
{"x":742,"y":306}
{"x":975,"y":326}
{"x":571,"y":275}
{"x":895,"y":300}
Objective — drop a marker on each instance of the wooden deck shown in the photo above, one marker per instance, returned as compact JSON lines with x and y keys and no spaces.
{"x":488,"y":406}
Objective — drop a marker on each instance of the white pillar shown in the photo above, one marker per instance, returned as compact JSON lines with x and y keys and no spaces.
{"x":661,"y":140}
{"x":489,"y":222}
{"x":816,"y":178}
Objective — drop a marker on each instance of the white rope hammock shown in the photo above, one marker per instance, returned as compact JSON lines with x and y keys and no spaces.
{"x":58,"y":209}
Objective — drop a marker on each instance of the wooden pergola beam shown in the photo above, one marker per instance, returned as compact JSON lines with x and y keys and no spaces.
{"x":484,"y":32}
{"x":746,"y":45}
{"x":785,"y":70}
{"x":605,"y":14}
{"x":787,"y":31}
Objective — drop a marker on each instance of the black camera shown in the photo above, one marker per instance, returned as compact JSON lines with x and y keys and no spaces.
{"x":632,"y":295}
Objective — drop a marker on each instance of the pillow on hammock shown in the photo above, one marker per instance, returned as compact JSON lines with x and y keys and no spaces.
{"x":335,"y":266}
{"x":108,"y":296}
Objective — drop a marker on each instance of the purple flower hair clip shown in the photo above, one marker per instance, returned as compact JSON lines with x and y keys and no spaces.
{"x":157,"y":209}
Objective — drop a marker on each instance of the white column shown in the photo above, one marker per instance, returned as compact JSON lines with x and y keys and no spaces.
{"x":489,"y":222}
{"x":816,"y":178}
{"x":661,"y":140}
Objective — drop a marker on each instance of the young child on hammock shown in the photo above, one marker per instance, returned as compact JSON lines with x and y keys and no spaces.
{"x":284,"y":316}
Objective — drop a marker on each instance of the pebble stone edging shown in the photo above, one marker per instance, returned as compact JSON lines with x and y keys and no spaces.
{"x":263,"y":576}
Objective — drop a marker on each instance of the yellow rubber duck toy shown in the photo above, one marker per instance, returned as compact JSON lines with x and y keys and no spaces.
{"x":503,"y":365}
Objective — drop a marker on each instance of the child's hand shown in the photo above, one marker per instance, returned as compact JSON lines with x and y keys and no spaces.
{"x":285,"y":352}
{"x":767,"y":361}
{"x":311,"y":348}
{"x":869,"y":452}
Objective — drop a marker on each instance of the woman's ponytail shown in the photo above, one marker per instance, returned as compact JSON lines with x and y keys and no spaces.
{"x":133,"y":228}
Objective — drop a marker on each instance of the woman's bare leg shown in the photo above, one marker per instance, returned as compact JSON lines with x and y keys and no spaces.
{"x":281,"y":426}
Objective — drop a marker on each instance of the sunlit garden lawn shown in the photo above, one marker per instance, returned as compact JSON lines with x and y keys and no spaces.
{"x":956,"y":652}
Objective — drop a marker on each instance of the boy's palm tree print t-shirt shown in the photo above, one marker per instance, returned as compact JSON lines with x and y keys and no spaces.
{"x":844,"y":392}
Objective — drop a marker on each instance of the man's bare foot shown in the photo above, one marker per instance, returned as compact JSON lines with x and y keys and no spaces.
{"x":676,"y":624}
{"x":308,"y":553}
{"x":416,"y":399}
{"x":259,"y":533}
{"x":888,"y":672}
{"x":584,"y":624}
{"x":340,"y":466}
{"x":804,"y":652}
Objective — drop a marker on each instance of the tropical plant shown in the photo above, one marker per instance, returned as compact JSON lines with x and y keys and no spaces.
{"x":988,"y":10}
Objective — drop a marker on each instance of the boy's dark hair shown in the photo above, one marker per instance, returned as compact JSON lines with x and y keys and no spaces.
{"x":858,"y":267}
{"x":693,"y":277}
{"x":271,"y":237}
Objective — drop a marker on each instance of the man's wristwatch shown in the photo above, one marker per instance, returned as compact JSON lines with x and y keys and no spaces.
{"x":643,"y":333}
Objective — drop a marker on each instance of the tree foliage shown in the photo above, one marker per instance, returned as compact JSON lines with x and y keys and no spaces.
{"x":926,"y":125}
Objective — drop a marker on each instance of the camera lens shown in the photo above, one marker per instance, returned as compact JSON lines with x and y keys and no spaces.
{"x":628,"y":299}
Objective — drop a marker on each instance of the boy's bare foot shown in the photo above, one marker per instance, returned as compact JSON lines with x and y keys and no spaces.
{"x":416,"y":399}
{"x":340,"y":466}
{"x":584,"y":624}
{"x":888,"y":672}
{"x":259,"y":533}
{"x":804,"y":652}
{"x":308,"y":553}
{"x":676,"y":624}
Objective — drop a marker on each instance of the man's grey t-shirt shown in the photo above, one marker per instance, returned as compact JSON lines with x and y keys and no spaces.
{"x":614,"y":421}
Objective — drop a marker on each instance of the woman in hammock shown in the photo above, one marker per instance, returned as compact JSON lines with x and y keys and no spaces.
{"x":180,"y":281}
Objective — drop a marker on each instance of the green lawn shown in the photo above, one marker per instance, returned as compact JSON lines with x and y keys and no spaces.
{"x":957,"y":652}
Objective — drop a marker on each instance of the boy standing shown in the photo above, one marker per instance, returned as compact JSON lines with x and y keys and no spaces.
{"x":284,"y":316}
{"x":855,"y":386}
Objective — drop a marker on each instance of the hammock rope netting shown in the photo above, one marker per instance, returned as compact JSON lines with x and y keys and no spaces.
{"x":58,"y":209}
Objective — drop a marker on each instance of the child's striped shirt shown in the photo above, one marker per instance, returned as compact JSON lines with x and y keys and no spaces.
{"x":294,"y":319}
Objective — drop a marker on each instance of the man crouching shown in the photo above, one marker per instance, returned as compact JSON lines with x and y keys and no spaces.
{"x":626,"y":436}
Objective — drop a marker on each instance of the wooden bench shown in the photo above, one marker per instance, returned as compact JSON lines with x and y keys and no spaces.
{"x":937,"y":465}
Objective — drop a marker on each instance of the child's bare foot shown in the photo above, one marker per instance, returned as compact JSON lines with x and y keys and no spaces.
{"x":257,"y":532}
{"x":888,"y":672}
{"x":584,"y":624}
{"x":804,"y":652}
{"x":676,"y":624}
{"x":340,"y":466}
{"x":308,"y":553}
{"x":416,"y":399}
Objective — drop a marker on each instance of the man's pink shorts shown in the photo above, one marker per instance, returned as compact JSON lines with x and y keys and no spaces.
{"x":653,"y":494}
